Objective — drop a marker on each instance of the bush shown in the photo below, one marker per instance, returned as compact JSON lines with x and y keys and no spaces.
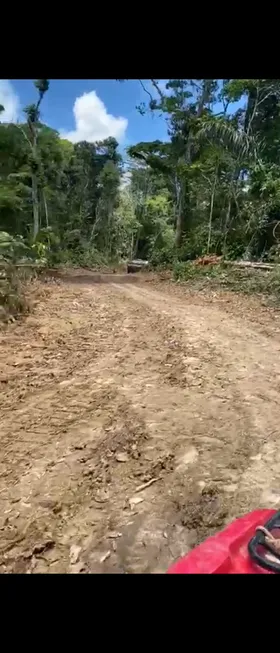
{"x":164,"y":257}
{"x":12,"y":297}
{"x":184,"y":271}
{"x":84,"y":257}
{"x":245,"y":280}
{"x":273,"y":255}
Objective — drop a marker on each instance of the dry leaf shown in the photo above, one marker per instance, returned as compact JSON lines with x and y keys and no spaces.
{"x":122,"y":457}
{"x":77,"y":568}
{"x":144,"y":485}
{"x":101,"y":496}
{"x":134,"y":501}
{"x":105,"y":556}
{"x":74,"y":553}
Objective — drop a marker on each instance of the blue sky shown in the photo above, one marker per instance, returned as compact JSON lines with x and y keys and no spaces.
{"x":119,"y":100}
{"x":89,"y":109}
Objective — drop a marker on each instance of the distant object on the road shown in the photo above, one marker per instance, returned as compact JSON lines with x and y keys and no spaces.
{"x":136,"y":265}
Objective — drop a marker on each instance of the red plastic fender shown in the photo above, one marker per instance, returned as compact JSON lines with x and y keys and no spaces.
{"x":226,"y":552}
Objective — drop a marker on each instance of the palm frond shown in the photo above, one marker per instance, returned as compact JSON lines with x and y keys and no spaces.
{"x":235,"y":140}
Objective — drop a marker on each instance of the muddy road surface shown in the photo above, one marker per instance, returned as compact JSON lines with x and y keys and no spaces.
{"x":136,"y":420}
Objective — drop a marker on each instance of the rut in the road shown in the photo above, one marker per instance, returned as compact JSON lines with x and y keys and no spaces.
{"x":239,"y":374}
{"x":110,"y":388}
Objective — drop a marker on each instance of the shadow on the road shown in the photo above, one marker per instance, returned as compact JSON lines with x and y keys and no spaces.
{"x":95,"y":278}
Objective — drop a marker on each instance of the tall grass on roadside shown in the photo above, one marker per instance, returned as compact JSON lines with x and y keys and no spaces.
{"x":245,"y":280}
{"x":13,"y":301}
{"x":13,"y":253}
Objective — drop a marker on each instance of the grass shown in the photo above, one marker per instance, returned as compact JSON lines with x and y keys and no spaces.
{"x":244,"y":280}
{"x":13,"y":301}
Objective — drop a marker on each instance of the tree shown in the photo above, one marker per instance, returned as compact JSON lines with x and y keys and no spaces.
{"x":188,"y":102}
{"x":32,"y":112}
{"x":211,"y":186}
{"x":103,"y":229}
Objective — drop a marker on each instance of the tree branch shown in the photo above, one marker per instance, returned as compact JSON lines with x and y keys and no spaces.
{"x":24,"y":134}
{"x":277,"y":225}
{"x":144,"y":89}
{"x":155,"y":84}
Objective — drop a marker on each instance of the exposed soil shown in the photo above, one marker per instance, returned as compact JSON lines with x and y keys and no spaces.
{"x":136,"y":419}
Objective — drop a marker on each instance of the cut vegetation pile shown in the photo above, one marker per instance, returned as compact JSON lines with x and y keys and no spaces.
{"x":239,"y":279}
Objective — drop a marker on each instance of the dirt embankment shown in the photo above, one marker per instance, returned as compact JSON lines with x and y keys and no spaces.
{"x":135,"y":421}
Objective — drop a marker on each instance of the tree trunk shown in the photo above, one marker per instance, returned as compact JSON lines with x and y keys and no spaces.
{"x":46,"y":208}
{"x":35,"y":202}
{"x":205,"y":95}
{"x":211,"y":211}
{"x":109,"y":226}
{"x":226,"y":225}
{"x":132,"y":246}
{"x":251,"y":103}
{"x":252,"y":264}
{"x":179,"y":230}
{"x":179,"y":220}
{"x":188,"y":158}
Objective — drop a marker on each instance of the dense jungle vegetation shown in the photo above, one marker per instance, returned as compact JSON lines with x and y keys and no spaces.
{"x":212,"y":187}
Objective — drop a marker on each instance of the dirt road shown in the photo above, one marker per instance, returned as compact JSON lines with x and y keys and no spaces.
{"x":135,"y":421}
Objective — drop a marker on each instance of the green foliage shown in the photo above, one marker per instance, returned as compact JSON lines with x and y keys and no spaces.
{"x":185,"y":271}
{"x":42,"y":85}
{"x":212,"y":187}
{"x":11,"y":248}
{"x":85,"y":258}
{"x":12,"y":299}
{"x":247,"y":281}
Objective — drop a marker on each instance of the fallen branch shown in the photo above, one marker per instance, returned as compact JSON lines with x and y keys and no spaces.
{"x":144,"y":485}
{"x":3,"y":266}
{"x":252,"y":264}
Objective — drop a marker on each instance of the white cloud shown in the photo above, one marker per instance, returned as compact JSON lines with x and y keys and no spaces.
{"x":9,"y":100}
{"x":93,"y":122}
